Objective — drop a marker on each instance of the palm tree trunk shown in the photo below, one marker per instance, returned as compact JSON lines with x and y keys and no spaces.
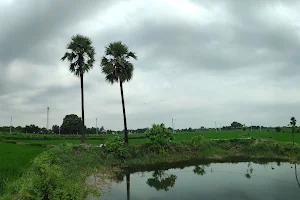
{"x":124,"y":114}
{"x":82,"y":110}
{"x":293,"y":134}
{"x":128,"y":185}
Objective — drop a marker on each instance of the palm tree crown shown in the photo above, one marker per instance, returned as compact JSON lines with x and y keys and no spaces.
{"x":293,"y":121}
{"x":81,"y":55}
{"x":115,"y":64}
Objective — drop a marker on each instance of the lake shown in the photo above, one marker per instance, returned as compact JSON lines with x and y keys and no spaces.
{"x":244,"y":180}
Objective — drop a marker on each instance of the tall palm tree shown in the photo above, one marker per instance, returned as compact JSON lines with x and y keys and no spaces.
{"x":117,"y":68}
{"x":81,"y":55}
{"x":293,"y":123}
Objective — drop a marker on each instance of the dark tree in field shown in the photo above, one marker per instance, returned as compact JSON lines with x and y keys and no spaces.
{"x":32,"y":129}
{"x":102,"y":130}
{"x":278,"y":129}
{"x":117,"y":68}
{"x":236,"y":125}
{"x":293,"y":123}
{"x":71,"y":124}
{"x":55,"y":129}
{"x":81,"y":57}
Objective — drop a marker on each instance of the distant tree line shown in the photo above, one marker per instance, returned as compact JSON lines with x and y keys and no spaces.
{"x":72,"y":125}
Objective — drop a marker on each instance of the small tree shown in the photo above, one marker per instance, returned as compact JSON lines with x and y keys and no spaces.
{"x":278,"y":129}
{"x":293,"y":123}
{"x":245,"y":128}
{"x":159,"y":134}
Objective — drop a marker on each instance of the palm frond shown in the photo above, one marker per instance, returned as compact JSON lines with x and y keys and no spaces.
{"x":81,"y":54}
{"x":131,"y":55}
{"x":115,"y":64}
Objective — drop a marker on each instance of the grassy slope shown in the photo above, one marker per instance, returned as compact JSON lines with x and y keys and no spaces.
{"x":14,"y":159}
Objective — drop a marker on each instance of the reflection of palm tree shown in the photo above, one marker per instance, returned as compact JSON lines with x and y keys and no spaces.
{"x":128,"y":185}
{"x":249,"y":171}
{"x":296,"y":174}
{"x":162,"y":180}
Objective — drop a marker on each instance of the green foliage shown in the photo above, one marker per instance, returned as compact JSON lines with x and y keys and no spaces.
{"x":80,"y":55}
{"x":244,"y":128}
{"x":71,"y":124}
{"x":159,"y":134}
{"x":117,"y":146}
{"x":236,"y":125}
{"x":55,"y":174}
{"x":14,"y":161}
{"x":55,"y":129}
{"x":278,"y":129}
{"x":196,"y":140}
{"x":115,"y":64}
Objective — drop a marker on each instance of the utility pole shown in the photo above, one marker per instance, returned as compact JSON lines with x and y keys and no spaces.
{"x":47,"y":118}
{"x":173,"y":125}
{"x":96,"y":127}
{"x":10,"y":125}
{"x":59,"y":130}
{"x":260,"y":128}
{"x":216,"y":126}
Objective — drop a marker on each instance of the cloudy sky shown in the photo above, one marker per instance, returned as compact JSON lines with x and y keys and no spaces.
{"x":199,"y":61}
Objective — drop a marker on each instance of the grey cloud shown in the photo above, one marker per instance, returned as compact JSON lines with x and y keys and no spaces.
{"x":245,"y":42}
{"x":212,"y":70}
{"x":34,"y":27}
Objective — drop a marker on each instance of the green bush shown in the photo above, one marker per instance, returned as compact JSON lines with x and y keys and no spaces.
{"x":159,"y":134}
{"x":196,"y":140}
{"x":117,"y":146}
{"x":278,"y":129}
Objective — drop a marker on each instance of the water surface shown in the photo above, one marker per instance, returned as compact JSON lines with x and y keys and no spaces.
{"x":245,"y":180}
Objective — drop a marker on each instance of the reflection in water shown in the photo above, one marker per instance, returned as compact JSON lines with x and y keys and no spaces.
{"x":128,"y":185}
{"x":296,"y":174}
{"x":162,"y":180}
{"x":200,"y":169}
{"x":266,"y":180}
{"x":249,"y":171}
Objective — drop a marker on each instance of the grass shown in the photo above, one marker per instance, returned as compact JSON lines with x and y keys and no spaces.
{"x":180,"y":136}
{"x":60,"y":173}
{"x":14,"y":160}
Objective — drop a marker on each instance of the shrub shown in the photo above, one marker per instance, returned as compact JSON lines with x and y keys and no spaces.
{"x":196,"y":140}
{"x":116,"y":146}
{"x":159,"y":134}
{"x":278,"y":129}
